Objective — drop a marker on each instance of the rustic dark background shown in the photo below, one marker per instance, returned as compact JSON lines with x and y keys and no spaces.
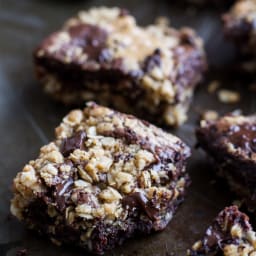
{"x":28,"y":117}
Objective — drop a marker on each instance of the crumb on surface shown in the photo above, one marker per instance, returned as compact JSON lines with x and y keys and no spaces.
{"x":162,"y":21}
{"x":209,"y":115}
{"x":228,"y":96}
{"x":213,"y":86}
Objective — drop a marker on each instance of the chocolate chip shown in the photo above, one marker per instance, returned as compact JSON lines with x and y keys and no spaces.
{"x":72,"y":143}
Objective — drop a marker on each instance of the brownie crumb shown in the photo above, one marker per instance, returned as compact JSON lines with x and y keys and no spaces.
{"x":213,"y":86}
{"x":228,"y":96}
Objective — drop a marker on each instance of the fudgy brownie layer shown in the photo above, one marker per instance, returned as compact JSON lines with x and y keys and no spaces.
{"x":231,"y":142}
{"x":103,"y":55}
{"x":229,"y":235}
{"x":106,"y":177}
{"x":239,"y":25}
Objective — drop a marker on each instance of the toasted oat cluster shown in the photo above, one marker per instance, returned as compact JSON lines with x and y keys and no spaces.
{"x":103,"y":55}
{"x":229,"y":235}
{"x":106,"y":177}
{"x":231,"y":142}
{"x":239,"y":25}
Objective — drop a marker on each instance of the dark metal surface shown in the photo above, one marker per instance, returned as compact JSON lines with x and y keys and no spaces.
{"x":28,"y":118}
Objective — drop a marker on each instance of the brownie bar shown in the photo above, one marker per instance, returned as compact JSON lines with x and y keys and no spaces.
{"x":239,"y":25}
{"x":104,"y":56}
{"x":230,"y":234}
{"x":231,"y":141}
{"x":106,"y":177}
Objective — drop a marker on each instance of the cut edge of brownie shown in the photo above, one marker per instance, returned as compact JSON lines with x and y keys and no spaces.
{"x":229,"y":234}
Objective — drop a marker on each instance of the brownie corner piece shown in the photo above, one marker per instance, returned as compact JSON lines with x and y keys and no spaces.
{"x":104,"y":56}
{"x":230,"y":234}
{"x":231,"y":142}
{"x":106,"y":177}
{"x":239,"y":25}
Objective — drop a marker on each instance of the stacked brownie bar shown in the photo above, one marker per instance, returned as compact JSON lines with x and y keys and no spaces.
{"x":229,"y":235}
{"x":106,"y":177}
{"x":231,"y":142}
{"x":103,"y":55}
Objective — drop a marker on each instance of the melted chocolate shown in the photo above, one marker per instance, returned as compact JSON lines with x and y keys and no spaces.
{"x":138,"y":201}
{"x":61,"y":191}
{"x":91,"y":38}
{"x":243,"y":136}
{"x":72,"y":143}
{"x":219,"y":233}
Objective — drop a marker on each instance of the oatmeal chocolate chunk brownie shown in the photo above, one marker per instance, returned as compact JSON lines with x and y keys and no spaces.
{"x":106,"y":177}
{"x":231,"y":141}
{"x":239,"y":25}
{"x":230,"y":235}
{"x":103,"y":55}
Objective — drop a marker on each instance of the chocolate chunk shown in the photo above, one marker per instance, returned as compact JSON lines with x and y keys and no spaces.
{"x":152,"y":61}
{"x":61,"y":193}
{"x":137,"y":201}
{"x":243,"y":136}
{"x":92,"y":39}
{"x":74,"y":142}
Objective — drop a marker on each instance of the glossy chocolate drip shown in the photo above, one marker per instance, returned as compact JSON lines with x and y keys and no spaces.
{"x":72,"y":143}
{"x":138,"y":201}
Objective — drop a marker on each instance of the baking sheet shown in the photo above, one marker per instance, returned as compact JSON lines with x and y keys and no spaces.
{"x":28,"y":117}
